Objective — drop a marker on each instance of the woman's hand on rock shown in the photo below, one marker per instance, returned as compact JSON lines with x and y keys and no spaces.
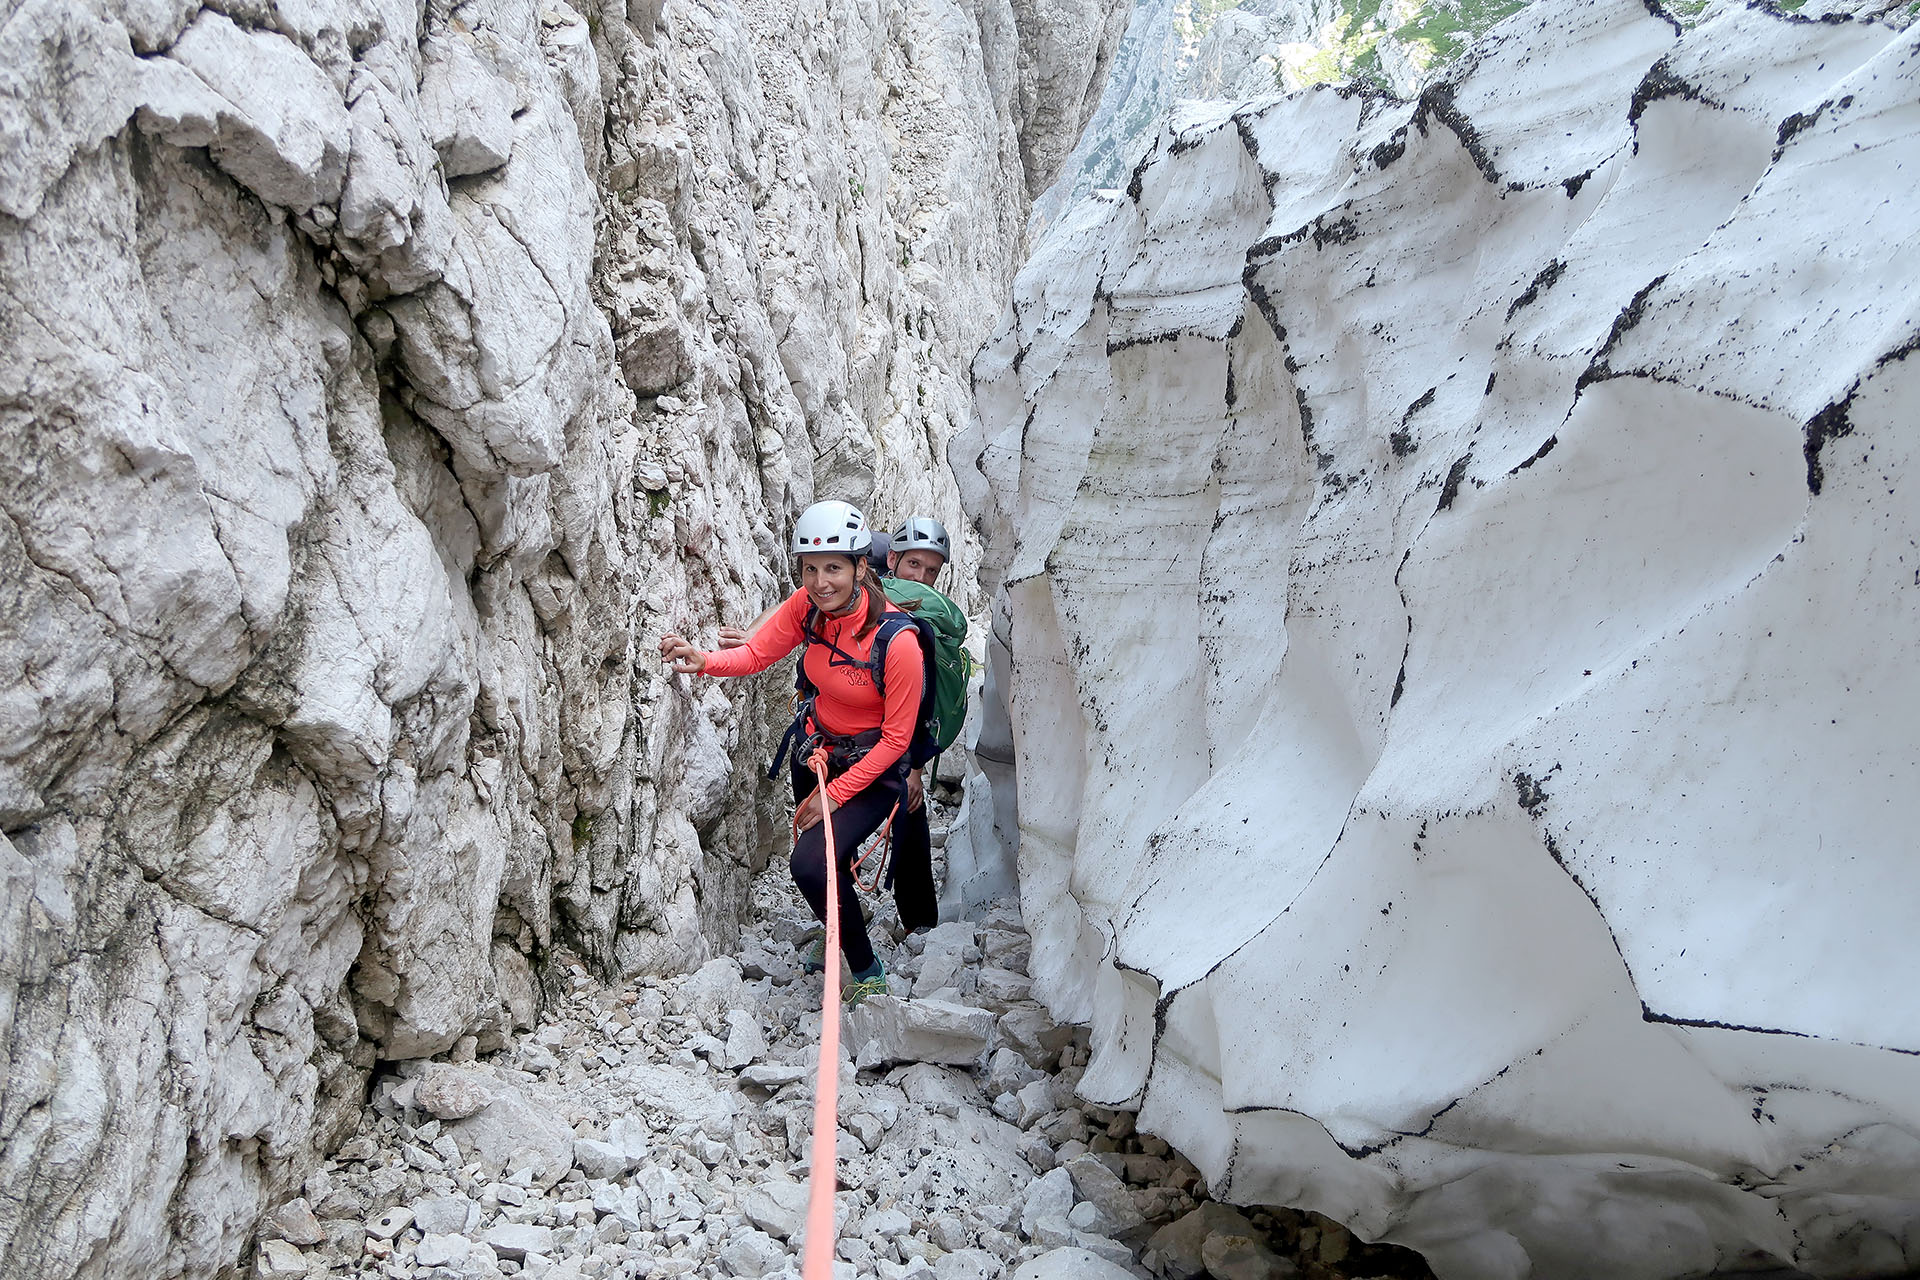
{"x":733,"y":637}
{"x":682,"y":656}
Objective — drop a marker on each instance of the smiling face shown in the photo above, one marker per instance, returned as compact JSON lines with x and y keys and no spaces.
{"x":918,"y":565}
{"x":828,"y":580}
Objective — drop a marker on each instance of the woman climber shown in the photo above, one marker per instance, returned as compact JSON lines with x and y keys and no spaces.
{"x":836,"y":614}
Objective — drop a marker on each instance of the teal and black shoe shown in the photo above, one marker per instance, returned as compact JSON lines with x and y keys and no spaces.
{"x":871,"y":983}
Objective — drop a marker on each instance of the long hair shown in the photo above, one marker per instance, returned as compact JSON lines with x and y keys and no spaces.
{"x":866,"y":578}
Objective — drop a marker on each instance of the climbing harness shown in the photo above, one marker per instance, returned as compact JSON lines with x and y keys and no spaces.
{"x":880,"y":843}
{"x":929,"y":737}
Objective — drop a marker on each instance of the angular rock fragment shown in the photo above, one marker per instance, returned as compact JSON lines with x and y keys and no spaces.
{"x":999,"y":989}
{"x":1071,"y":1264}
{"x":753,"y":1253}
{"x":968,"y":1264}
{"x":1103,"y":1189}
{"x":279,"y":1258}
{"x":774,"y":1075}
{"x":884,"y":1030}
{"x":1103,"y":1247}
{"x":1006,"y":949}
{"x":601,"y":1160}
{"x":510,"y":1133}
{"x":884,"y":1224}
{"x":654,"y":356}
{"x":450,"y":1093}
{"x":445,"y":1214}
{"x":390,"y":1224}
{"x":441,"y":1250}
{"x":746,"y":1042}
{"x":295,"y":1223}
{"x":1053,"y":1231}
{"x":867,"y":1128}
{"x":516,"y":1240}
{"x":1179,"y":1243}
{"x":777,"y":1206}
{"x":1032,"y":1102}
{"x":1050,"y":1195}
{"x":1007,"y":1072}
{"x":1243,"y":1257}
{"x":1032,"y":1030}
{"x":939,"y":1089}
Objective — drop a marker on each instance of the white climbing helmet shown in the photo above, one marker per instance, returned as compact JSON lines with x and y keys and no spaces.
{"x":839,"y":527}
{"x":923,"y":533}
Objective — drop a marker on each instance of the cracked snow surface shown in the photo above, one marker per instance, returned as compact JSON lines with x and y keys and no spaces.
{"x":1455,"y":587}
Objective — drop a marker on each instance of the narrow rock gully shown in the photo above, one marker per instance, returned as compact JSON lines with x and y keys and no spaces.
{"x":661,"y":1128}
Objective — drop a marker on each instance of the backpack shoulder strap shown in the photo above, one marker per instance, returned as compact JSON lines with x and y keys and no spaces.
{"x":890,"y":625}
{"x":810,"y":634}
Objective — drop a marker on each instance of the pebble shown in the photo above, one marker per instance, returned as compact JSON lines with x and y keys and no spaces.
{"x":662,"y":1129}
{"x":516,"y":1240}
{"x":1242,"y":1257}
{"x":295,"y":1223}
{"x":449,"y":1093}
{"x":279,"y":1258}
{"x":390,"y":1224}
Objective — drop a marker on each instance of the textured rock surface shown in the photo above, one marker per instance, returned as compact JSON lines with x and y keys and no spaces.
{"x":1455,"y":582}
{"x":380,"y":381}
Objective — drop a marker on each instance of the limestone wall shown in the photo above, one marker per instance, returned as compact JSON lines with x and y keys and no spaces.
{"x":380,"y":381}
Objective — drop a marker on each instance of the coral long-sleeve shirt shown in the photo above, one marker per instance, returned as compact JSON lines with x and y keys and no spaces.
{"x":847,"y":703}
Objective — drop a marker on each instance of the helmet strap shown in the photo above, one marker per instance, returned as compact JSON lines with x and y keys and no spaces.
{"x":854,"y":604}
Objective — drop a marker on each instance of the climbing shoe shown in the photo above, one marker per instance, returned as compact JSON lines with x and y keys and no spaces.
{"x":814,"y":958}
{"x":871,"y":983}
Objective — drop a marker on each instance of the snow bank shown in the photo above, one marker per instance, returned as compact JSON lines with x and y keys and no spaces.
{"x":1456,"y":594}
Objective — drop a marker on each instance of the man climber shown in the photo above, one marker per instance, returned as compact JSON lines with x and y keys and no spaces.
{"x":920,"y":549}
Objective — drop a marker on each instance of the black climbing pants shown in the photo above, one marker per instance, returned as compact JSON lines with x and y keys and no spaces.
{"x":853,"y":822}
{"x":913,"y":888}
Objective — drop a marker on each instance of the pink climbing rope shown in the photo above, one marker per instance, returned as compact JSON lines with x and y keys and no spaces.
{"x":817,"y":1262}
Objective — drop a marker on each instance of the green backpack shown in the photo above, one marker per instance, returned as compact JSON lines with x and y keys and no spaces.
{"x":945,"y":710}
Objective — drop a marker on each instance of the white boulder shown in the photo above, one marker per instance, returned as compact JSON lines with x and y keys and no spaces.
{"x":883,"y":1030}
{"x":777,"y":1206}
{"x":1071,"y":1263}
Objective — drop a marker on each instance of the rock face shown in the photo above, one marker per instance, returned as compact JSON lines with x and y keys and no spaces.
{"x":1455,"y":587}
{"x":380,"y":382}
